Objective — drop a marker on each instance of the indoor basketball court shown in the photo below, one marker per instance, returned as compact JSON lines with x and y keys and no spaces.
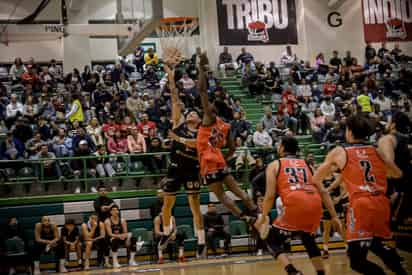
{"x":104,"y":103}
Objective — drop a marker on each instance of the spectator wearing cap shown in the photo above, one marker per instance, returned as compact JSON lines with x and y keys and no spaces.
{"x":70,"y":236}
{"x":51,"y":167}
{"x":81,"y":135}
{"x":13,"y":110}
{"x":76,"y":110}
{"x":77,"y":164}
{"x":146,"y":127}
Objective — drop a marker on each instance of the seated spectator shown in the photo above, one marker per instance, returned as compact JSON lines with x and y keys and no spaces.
{"x":272,"y":85}
{"x":117,"y":144}
{"x":329,"y":88}
{"x":261,"y":138}
{"x":135,"y":104}
{"x":245,"y":60}
{"x":43,"y":127}
{"x":70,"y":236}
{"x":215,"y":228}
{"x":335,"y":135}
{"x":136,"y":142}
{"x":239,"y":127}
{"x":30,"y":109}
{"x":51,"y":167}
{"x":103,"y":166}
{"x":11,"y":148}
{"x":94,"y":130}
{"x":17,"y":69}
{"x":62,"y":144}
{"x":396,"y":52}
{"x":78,"y":164}
{"x":268,"y":121}
{"x":176,"y":238}
{"x":110,"y":127}
{"x":116,"y":229}
{"x":328,"y":109}
{"x":370,"y":53}
{"x":46,"y":240}
{"x":94,"y":237}
{"x":288,"y":58}
{"x":157,"y":161}
{"x":153,"y":111}
{"x":318,"y":125}
{"x":13,"y":110}
{"x":146,"y":127}
{"x":212,"y":82}
{"x":151,"y":58}
{"x":30,"y":76}
{"x":33,"y":145}
{"x":384,"y":103}
{"x":303,"y":90}
{"x":82,"y":135}
{"x":46,"y":77}
{"x":127,"y":124}
{"x":226,"y":62}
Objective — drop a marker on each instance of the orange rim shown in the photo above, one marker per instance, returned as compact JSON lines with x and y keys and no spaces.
{"x":183,"y":19}
{"x":177,"y":23}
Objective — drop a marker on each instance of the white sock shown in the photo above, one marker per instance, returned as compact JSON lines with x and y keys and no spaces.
{"x":201,"y":236}
{"x":132,"y":255}
{"x":160,"y":253}
{"x":62,"y":261}
{"x":181,"y":252}
{"x":106,"y":259}
{"x":114,"y":255}
{"x":37,"y":265}
{"x":325,"y":247}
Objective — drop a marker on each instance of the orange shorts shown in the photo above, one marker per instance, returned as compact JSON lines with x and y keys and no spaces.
{"x":303,"y":212}
{"x":368,"y":217}
{"x":211,"y":161}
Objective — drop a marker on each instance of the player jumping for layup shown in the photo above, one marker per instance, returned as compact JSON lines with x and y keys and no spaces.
{"x":184,"y":167}
{"x":212,"y":136}
{"x":291,"y":178}
{"x":364,"y":172}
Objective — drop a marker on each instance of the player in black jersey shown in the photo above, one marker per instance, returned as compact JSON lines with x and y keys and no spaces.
{"x":340,"y":200}
{"x":94,"y":236}
{"x":184,"y":167}
{"x":396,"y":146}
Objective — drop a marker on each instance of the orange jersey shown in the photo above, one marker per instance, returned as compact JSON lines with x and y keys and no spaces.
{"x":210,"y":140}
{"x":301,"y":199}
{"x":364,"y":176}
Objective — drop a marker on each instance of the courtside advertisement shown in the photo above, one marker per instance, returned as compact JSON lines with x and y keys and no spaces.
{"x":257,"y":22}
{"x":387,"y":20}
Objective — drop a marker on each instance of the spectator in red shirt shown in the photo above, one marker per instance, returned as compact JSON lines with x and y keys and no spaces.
{"x":146,"y":127}
{"x":127,"y":124}
{"x":110,"y":127}
{"x":329,"y":88}
{"x":30,"y":76}
{"x":117,"y":143}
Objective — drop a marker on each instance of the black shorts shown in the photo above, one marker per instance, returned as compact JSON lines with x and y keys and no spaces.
{"x":340,"y":209}
{"x":217,"y":176}
{"x":189,"y":178}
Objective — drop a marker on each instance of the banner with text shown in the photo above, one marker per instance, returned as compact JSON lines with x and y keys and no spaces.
{"x":387,"y":20}
{"x":257,"y":22}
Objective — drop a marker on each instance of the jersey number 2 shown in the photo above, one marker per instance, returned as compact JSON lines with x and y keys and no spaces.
{"x":367,"y":167}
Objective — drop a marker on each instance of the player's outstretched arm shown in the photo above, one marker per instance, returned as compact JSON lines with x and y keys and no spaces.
{"x":176,"y":109}
{"x":386,"y":150}
{"x":208,"y":117}
{"x":333,"y":159}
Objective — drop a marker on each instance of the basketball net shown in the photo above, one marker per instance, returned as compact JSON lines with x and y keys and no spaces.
{"x":173,"y":32}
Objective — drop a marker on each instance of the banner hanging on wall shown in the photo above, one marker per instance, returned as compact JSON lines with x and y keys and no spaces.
{"x":387,"y":20}
{"x":257,"y":22}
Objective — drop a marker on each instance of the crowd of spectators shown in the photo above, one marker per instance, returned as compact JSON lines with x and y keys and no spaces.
{"x":125,"y":108}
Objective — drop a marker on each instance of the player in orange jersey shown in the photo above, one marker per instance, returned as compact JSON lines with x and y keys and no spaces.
{"x":212,"y":136}
{"x":364,"y":171}
{"x":291,"y":178}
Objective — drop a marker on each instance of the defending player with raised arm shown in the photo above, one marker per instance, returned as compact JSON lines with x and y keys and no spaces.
{"x":184,"y":166}
{"x":291,"y":178}
{"x":213,"y":135}
{"x":364,"y":171}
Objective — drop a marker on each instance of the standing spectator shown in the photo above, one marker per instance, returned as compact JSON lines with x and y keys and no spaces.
{"x":76,"y":111}
{"x":245,"y":59}
{"x":383,"y":51}
{"x":146,"y":127}
{"x":261,"y":138}
{"x":328,"y":108}
{"x":94,"y":236}
{"x":348,"y":59}
{"x":196,"y":56}
{"x":17,"y":69}
{"x":151,"y":58}
{"x":70,"y":236}
{"x":335,"y":62}
{"x":116,"y":228}
{"x":139,"y":59}
{"x":226,"y":61}
{"x":364,"y":101}
{"x":214,"y":227}
{"x":13,"y":110}
{"x":319,"y":61}
{"x":288,"y":58}
{"x":370,"y":53}
{"x":102,"y":204}
{"x":30,"y":76}
{"x":47,"y":239}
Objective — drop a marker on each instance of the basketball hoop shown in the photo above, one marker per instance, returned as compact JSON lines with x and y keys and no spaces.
{"x":174,"y":31}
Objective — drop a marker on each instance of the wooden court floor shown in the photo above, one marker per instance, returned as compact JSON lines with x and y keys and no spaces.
{"x":337,"y":264}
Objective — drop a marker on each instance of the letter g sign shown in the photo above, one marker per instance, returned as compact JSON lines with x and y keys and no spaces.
{"x":335,"y":19}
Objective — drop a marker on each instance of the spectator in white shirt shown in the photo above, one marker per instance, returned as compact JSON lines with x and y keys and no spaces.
{"x":385,"y":104}
{"x":187,"y":82}
{"x":303,"y":90}
{"x":288,"y":58}
{"x":13,"y":110}
{"x":17,"y":69}
{"x":328,"y":108}
{"x":261,"y":137}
